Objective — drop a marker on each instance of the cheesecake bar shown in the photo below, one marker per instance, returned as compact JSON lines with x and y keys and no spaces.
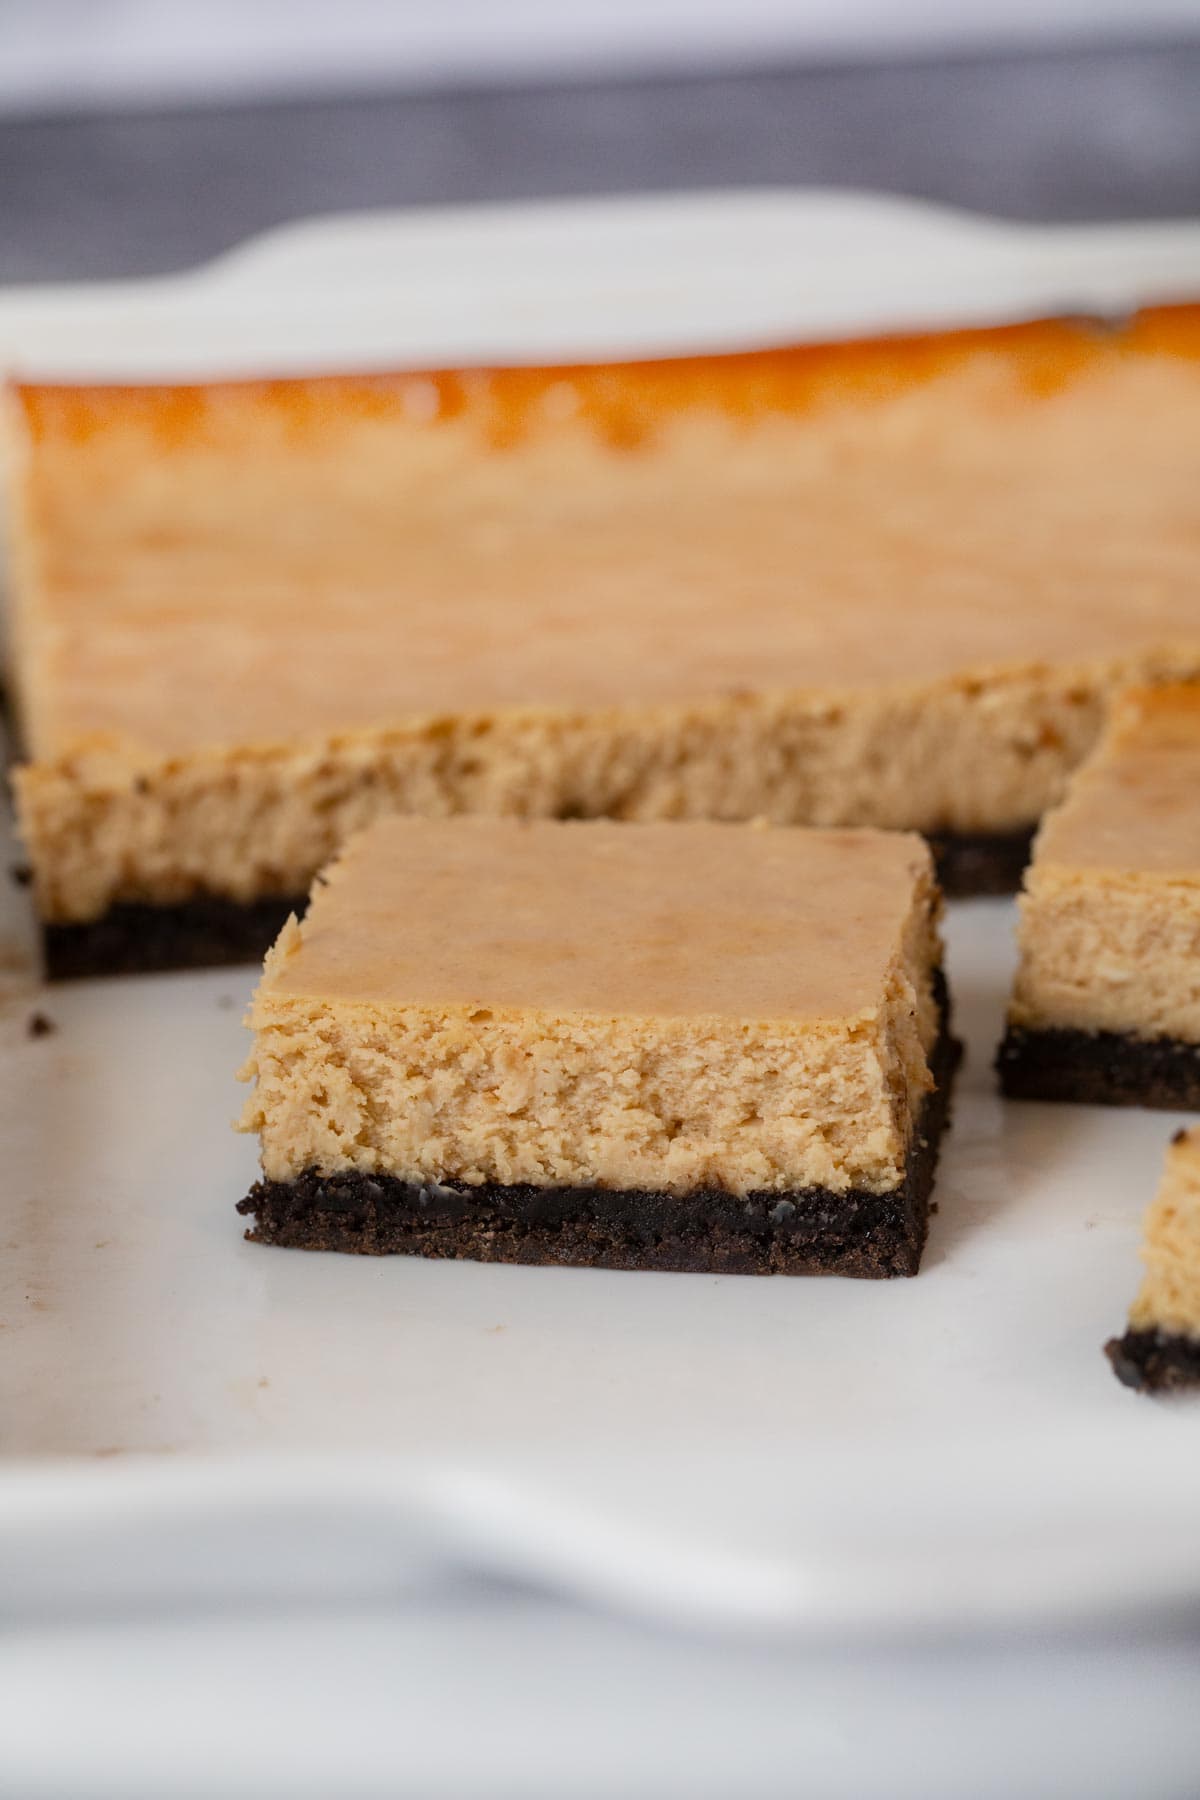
{"x":1161,"y":1347}
{"x":888,"y":583}
{"x":1106,"y":1004}
{"x":685,"y":1046}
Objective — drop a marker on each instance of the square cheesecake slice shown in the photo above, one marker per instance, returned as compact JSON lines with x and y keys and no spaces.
{"x":891,"y":583}
{"x":1106,"y":1004}
{"x":694,"y":1046}
{"x":1161,"y":1347}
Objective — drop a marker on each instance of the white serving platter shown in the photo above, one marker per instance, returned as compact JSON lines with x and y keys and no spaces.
{"x":185,"y":1416}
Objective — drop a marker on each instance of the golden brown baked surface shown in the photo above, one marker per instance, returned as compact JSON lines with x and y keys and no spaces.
{"x":1110,"y":917}
{"x":595,"y":537}
{"x":885,"y":583}
{"x":575,"y":1004}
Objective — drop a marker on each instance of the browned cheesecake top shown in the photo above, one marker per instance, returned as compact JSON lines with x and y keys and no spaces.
{"x":612,"y":919}
{"x":244,"y":563}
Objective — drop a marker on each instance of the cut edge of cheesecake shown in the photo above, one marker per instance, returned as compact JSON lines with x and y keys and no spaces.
{"x":1105,"y":1008}
{"x":1159,"y":1352}
{"x":674,"y":1133}
{"x":111,"y":829}
{"x":803,"y":1231}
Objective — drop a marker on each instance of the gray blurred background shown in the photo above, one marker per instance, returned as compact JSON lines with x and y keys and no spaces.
{"x":144,"y":135}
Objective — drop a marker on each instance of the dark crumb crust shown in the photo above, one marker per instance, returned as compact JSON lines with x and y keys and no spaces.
{"x":201,"y":933}
{"x":972,"y":863}
{"x":208,"y":930}
{"x":1099,"y":1068}
{"x":810,"y":1231}
{"x":1155,"y":1362}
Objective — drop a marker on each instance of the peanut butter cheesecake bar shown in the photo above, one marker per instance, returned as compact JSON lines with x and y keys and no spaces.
{"x":1106,"y":1005}
{"x":889,"y":583}
{"x":691,"y":1046}
{"x":1161,"y":1347}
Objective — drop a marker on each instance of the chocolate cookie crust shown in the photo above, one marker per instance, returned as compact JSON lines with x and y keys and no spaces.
{"x":1155,"y":1362}
{"x":1099,"y":1068}
{"x":974,"y":863}
{"x":811,"y":1231}
{"x":208,"y":930}
{"x":200,"y":933}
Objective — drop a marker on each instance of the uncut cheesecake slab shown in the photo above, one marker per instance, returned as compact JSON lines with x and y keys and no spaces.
{"x":887,"y":583}
{"x":692,"y":1046}
{"x":1160,"y":1349}
{"x":1106,"y":1003}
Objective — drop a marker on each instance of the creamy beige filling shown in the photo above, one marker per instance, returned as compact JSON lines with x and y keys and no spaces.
{"x":106,"y":823}
{"x":556,"y":1097}
{"x":1169,"y":1297}
{"x":580,"y":1102}
{"x":1104,"y":952}
{"x":1110,"y":916}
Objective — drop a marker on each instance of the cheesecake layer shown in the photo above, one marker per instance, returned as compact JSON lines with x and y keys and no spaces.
{"x":105,"y":828}
{"x":685,"y":1010}
{"x":810,"y":1231}
{"x":1108,"y":984}
{"x":1161,"y":1347}
{"x":888,"y":584}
